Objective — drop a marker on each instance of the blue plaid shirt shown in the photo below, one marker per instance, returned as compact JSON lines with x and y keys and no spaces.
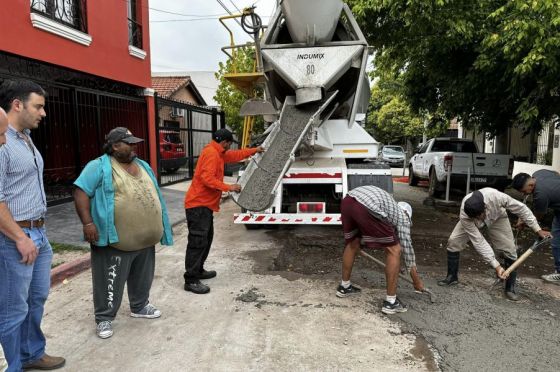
{"x":21,"y":177}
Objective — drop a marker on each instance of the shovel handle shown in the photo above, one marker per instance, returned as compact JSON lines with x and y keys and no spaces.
{"x":518,"y":262}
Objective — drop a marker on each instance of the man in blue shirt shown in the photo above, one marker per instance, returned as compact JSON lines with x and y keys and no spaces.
{"x":25,"y":252}
{"x":123,"y":215}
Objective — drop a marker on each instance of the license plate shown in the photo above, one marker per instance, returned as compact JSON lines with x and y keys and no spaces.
{"x":479,"y":179}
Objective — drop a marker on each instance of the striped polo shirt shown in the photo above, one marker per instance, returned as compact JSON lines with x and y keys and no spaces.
{"x":21,"y":177}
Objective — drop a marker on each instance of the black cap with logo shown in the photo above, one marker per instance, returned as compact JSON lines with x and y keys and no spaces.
{"x":121,"y":134}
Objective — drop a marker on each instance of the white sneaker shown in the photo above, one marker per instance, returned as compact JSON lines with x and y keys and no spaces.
{"x":551,"y":278}
{"x":104,"y":329}
{"x":149,"y":311}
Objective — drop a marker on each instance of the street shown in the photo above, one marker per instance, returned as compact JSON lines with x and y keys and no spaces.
{"x":272,"y":307}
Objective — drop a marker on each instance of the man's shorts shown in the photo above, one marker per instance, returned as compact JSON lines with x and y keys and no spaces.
{"x":358,"y":222}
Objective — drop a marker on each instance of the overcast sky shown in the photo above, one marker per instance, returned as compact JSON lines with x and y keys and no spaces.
{"x":191,"y":39}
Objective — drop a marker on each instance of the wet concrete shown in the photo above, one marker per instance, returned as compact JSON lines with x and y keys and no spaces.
{"x":469,"y":328}
{"x":257,"y":193}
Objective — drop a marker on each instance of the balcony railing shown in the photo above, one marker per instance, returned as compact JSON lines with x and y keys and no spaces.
{"x":68,"y":12}
{"x":134,"y":33}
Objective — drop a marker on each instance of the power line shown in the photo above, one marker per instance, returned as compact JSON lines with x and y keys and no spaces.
{"x":227,"y":10}
{"x":185,"y":20}
{"x":235,"y":6}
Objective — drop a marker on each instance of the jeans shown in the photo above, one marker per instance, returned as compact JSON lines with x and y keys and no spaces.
{"x":556,"y":240}
{"x":200,"y":221}
{"x":23,"y":292}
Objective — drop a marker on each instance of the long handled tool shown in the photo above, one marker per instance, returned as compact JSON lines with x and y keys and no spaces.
{"x":524,"y":256}
{"x":405,"y":278}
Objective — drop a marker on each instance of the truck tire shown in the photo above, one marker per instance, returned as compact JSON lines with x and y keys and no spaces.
{"x":412,"y":179}
{"x":434,"y":186}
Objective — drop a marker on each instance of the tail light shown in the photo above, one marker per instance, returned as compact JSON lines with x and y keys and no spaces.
{"x":448,"y":162}
{"x":313,"y":207}
{"x":510,"y":168}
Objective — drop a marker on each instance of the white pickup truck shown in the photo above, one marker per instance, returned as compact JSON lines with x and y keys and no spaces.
{"x":438,"y":155}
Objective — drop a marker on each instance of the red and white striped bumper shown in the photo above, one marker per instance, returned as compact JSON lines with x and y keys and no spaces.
{"x":287,"y":219}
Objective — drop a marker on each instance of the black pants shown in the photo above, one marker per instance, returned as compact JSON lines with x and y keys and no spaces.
{"x":200,"y":221}
{"x":111,"y":269}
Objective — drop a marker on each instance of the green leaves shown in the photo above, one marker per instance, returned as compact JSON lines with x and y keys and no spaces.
{"x":491,"y":63}
{"x":229,"y":98}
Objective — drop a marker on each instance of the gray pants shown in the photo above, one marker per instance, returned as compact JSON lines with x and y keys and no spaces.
{"x":500,"y":235}
{"x":111,"y":269}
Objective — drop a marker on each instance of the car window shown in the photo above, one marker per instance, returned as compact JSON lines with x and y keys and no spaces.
{"x":423,"y":148}
{"x":393,"y":150}
{"x":454,"y":146}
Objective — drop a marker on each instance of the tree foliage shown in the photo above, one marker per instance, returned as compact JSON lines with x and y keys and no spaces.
{"x":490,"y":63}
{"x":231,"y":99}
{"x":392,"y":120}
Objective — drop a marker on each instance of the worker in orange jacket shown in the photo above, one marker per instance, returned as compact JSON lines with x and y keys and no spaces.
{"x":203,"y":199}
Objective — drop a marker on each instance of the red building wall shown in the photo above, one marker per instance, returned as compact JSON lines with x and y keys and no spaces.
{"x":107,"y":56}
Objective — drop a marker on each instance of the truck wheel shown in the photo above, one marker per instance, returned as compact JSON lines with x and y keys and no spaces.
{"x":434,"y":187}
{"x":412,"y":179}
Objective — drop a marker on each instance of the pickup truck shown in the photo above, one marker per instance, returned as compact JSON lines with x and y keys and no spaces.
{"x":437,"y":156}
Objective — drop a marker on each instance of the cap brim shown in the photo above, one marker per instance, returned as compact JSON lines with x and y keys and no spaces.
{"x":132,"y":140}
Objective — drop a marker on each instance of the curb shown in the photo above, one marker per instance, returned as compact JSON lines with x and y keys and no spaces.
{"x":69,"y":269}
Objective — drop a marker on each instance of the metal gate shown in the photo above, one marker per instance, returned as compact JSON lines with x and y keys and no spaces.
{"x":182,"y":130}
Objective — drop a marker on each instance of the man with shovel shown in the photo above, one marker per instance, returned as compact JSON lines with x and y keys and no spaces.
{"x":487,"y":208}
{"x":371,"y":215}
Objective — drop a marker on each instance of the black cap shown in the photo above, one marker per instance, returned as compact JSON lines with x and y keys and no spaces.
{"x":519,"y":181}
{"x":474,"y":206}
{"x":222,"y":135}
{"x":121,"y":134}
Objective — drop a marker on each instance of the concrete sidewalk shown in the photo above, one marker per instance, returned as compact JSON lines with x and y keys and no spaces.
{"x":64,"y":226}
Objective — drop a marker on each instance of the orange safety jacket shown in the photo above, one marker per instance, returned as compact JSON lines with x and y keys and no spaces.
{"x":208,"y":181}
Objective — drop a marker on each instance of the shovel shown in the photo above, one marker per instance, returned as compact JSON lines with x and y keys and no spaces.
{"x":520,"y":260}
{"x":405,"y":278}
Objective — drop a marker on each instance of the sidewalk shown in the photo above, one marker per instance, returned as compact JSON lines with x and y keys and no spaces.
{"x":64,"y":226}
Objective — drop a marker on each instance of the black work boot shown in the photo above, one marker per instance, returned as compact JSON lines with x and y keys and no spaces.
{"x":452,"y":269}
{"x":511,"y":294}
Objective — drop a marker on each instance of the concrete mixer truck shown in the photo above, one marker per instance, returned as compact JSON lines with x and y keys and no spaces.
{"x":313,"y":57}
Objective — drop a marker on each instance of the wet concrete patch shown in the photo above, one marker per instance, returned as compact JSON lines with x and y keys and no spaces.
{"x":252,"y":295}
{"x":474,"y":330}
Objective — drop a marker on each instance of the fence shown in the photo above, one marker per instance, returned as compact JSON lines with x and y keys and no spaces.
{"x":182,"y":130}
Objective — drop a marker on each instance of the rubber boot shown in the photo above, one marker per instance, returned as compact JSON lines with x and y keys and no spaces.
{"x":452,"y":269}
{"x":511,"y":294}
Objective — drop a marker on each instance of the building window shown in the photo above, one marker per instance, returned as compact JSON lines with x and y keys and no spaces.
{"x":71,"y":13}
{"x":134,"y":24}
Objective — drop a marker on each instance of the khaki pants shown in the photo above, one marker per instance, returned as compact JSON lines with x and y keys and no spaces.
{"x":501,"y":238}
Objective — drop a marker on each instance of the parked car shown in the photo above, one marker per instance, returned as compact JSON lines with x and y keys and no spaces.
{"x":172,"y":151}
{"x":437,"y":156}
{"x":392,"y":155}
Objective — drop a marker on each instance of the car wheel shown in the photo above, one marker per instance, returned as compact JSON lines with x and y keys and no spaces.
{"x":412,"y":179}
{"x":434,"y":187}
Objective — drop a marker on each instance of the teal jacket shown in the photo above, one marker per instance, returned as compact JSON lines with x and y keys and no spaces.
{"x":96,"y":180}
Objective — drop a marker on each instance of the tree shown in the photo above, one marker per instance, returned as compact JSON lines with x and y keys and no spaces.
{"x":231,"y":99}
{"x":392,"y":120}
{"x":490,"y":63}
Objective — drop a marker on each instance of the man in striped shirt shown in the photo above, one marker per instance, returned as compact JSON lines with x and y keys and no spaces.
{"x":372,"y":216}
{"x":25,"y":252}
